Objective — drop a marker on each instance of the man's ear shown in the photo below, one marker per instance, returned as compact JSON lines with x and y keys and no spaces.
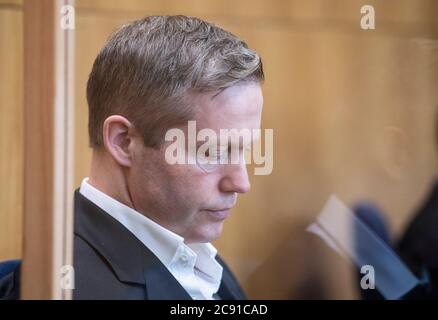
{"x":118,"y":134}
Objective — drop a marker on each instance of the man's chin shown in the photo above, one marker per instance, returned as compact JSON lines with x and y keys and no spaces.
{"x":208,"y":233}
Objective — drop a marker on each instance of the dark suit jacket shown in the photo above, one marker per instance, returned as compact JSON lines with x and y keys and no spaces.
{"x":111,"y":263}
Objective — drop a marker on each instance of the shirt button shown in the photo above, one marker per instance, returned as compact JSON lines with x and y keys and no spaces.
{"x":183,"y":259}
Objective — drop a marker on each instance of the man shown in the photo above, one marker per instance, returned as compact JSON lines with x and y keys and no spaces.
{"x":143,"y":226}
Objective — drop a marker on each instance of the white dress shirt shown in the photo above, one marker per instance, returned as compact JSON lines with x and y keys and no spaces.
{"x":194,"y":265}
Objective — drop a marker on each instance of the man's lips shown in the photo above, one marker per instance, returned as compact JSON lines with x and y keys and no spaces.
{"x":220,"y":214}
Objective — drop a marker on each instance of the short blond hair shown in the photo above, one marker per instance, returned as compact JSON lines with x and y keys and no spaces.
{"x":149,"y":67}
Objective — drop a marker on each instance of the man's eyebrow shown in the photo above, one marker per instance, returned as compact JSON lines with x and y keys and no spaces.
{"x":229,"y":142}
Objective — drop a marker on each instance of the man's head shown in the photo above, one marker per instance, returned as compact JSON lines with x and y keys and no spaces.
{"x":156,"y":74}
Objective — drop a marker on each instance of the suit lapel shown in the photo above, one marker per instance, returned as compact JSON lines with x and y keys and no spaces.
{"x":161,"y":285}
{"x":228,"y":289}
{"x":129,"y":258}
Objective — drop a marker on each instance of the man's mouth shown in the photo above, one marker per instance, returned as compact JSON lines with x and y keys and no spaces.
{"x":220,"y":214}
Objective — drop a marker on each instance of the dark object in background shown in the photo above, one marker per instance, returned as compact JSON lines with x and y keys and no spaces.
{"x":372,"y":217}
{"x":421,"y":259}
{"x":9,"y":279}
{"x":8,"y":267}
{"x":418,"y":247}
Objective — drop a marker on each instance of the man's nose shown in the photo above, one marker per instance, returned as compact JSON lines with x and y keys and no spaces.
{"x":235,"y":179}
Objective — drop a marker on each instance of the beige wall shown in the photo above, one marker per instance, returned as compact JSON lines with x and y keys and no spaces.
{"x":331,"y":90}
{"x":11,"y":128}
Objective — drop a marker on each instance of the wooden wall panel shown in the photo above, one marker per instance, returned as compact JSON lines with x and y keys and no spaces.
{"x":39,"y":100}
{"x":17,"y":3}
{"x":11,"y":130}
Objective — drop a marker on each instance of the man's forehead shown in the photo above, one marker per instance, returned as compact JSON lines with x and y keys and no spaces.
{"x":240,"y":100}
